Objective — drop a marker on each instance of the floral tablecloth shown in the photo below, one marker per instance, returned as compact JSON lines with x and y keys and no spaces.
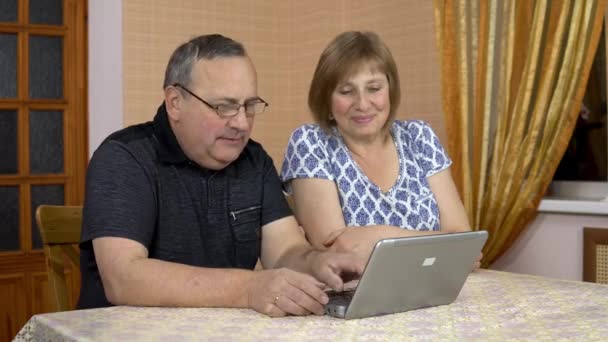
{"x":492,"y":306}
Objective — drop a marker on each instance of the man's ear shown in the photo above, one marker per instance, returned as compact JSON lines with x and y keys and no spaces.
{"x":173,"y":102}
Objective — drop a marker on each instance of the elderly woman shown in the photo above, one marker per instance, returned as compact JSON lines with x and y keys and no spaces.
{"x":359,"y":175}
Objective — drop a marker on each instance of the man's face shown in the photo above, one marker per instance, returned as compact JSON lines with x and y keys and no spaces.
{"x":206,"y":138}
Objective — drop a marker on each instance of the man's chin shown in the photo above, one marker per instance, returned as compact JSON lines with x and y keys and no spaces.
{"x":217,"y":164}
{"x":225,"y":159}
{"x":225,"y":153}
{"x":218,"y":161}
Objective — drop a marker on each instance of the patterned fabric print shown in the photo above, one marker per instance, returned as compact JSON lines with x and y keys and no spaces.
{"x":408,"y":204}
{"x":492,"y":306}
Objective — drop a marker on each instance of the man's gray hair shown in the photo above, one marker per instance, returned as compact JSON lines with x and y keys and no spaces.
{"x":209,"y":46}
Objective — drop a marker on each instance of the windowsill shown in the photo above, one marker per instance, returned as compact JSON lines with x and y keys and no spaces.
{"x":594,"y":206}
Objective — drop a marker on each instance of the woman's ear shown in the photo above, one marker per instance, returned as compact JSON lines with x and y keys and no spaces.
{"x":173,"y":102}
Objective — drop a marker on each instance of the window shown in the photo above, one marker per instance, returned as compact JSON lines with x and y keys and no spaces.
{"x":585,"y":158}
{"x":582,"y":173}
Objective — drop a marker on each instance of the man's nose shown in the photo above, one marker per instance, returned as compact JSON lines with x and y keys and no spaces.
{"x":240,"y":120}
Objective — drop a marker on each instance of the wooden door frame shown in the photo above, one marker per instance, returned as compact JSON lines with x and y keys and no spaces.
{"x":25,"y":268}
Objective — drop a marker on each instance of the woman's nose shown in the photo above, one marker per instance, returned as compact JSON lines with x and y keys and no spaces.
{"x":363,"y":101}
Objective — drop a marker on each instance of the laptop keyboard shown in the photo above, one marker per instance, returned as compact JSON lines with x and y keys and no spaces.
{"x":340,"y":298}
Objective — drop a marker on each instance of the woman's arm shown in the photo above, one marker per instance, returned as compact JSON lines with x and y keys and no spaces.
{"x":452,"y":214}
{"x":318,"y":210}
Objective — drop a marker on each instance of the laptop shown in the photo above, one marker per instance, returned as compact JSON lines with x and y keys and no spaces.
{"x":410,"y":273}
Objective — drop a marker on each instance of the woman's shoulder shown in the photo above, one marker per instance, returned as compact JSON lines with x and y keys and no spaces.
{"x":413,"y":128}
{"x":308,"y":128}
{"x":412,"y":125}
{"x":310,"y":133}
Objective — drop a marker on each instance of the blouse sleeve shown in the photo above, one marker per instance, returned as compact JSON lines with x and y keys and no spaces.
{"x":306,"y":156}
{"x":430,"y":154}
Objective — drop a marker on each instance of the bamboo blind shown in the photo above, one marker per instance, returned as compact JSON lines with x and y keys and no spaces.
{"x":284,"y":39}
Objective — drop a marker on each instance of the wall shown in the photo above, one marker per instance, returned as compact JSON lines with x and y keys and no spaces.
{"x":551,"y":246}
{"x":105,"y":70}
{"x":285,"y":39}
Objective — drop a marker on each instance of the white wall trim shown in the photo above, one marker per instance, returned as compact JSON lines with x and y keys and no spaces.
{"x":597,"y":207}
{"x":576,"y":198}
{"x":105,"y":70}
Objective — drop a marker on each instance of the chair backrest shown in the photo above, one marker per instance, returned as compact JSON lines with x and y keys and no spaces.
{"x":60,"y":231}
{"x":595,"y":255}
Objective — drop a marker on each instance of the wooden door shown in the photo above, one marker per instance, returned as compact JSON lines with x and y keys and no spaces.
{"x":43,"y":142}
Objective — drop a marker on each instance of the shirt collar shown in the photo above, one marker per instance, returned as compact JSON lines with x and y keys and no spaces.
{"x":169,"y":150}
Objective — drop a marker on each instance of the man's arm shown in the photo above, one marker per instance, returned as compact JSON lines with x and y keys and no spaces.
{"x":284,"y":245}
{"x":131,"y":278}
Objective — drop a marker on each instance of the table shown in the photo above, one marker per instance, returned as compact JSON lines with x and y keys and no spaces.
{"x":492,"y":305}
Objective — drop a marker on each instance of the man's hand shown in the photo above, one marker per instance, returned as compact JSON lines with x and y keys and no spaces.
{"x":335,"y":269}
{"x":281,"y":292}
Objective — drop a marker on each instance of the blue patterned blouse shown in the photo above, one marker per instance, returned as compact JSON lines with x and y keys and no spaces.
{"x":409,"y":203}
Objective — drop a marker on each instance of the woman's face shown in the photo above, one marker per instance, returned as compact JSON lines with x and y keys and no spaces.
{"x":360,"y":105}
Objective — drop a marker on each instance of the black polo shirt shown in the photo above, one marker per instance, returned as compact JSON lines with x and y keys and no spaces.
{"x":140,"y":185}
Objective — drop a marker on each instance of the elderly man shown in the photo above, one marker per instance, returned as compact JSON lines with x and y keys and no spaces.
{"x":178,"y":210}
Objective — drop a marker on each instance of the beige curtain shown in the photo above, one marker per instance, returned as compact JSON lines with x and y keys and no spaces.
{"x":513,"y":76}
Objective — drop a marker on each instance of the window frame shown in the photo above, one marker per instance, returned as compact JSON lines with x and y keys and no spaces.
{"x":579,"y":197}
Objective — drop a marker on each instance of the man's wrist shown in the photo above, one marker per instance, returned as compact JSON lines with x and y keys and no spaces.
{"x":244,"y":299}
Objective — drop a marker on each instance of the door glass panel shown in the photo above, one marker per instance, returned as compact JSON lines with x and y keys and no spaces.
{"x":46,"y":141}
{"x":8,"y":10}
{"x":47,"y":12}
{"x":9,"y":211}
{"x":43,"y":194}
{"x":8,"y":141}
{"x":46,"y":67}
{"x":8,"y":65}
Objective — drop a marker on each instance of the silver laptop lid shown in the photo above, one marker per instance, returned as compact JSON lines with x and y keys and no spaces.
{"x":411,"y":273}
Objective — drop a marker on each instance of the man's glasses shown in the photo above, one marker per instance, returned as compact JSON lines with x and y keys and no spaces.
{"x":228,"y":110}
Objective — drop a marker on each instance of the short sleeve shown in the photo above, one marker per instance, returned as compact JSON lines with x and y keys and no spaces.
{"x":119,"y":196}
{"x":274,"y":205}
{"x":430,"y":154}
{"x":306,"y":156}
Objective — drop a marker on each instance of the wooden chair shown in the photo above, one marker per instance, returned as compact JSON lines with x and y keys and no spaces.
{"x":60,"y":231}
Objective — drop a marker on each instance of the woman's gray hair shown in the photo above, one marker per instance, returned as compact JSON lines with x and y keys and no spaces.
{"x":210,"y":46}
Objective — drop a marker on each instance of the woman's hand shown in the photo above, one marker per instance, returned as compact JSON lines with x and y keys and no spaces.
{"x":478,"y":262}
{"x":360,"y":241}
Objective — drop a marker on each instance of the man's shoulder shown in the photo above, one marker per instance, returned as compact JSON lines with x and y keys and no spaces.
{"x":136,"y":138}
{"x":132,"y":134}
{"x":135,"y":141}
